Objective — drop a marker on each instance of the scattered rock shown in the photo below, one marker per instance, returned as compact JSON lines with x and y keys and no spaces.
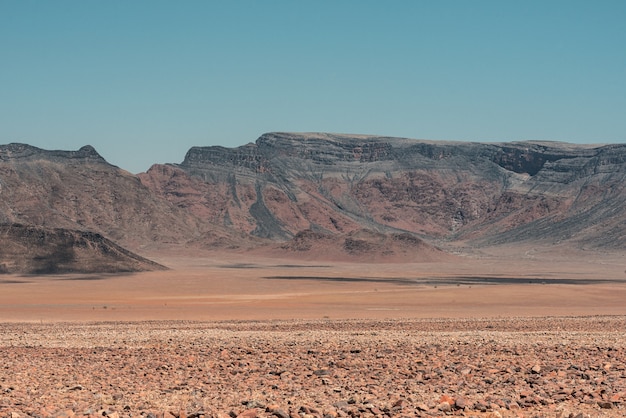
{"x":199,"y":381}
{"x":444,"y":407}
{"x":249,"y":413}
{"x":460,"y":402}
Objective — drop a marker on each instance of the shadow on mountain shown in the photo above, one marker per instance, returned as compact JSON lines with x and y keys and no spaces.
{"x":33,"y":250}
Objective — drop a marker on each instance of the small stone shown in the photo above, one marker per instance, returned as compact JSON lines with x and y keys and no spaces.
{"x":513,"y":405}
{"x":536,"y":369}
{"x":271,"y":407}
{"x":253,"y":404}
{"x":605,"y":404}
{"x":374,"y":410}
{"x":248,"y":413}
{"x":422,"y":407}
{"x":460,"y":402}
{"x":341,"y":404}
{"x":479,"y":406}
{"x":444,"y":407}
{"x":313,"y":411}
{"x":400,"y":403}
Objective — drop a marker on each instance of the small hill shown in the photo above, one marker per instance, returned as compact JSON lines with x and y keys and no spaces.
{"x":37,"y":250}
{"x":361,"y":245}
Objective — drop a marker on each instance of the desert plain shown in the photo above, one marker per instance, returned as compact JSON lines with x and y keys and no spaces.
{"x":500,"y":334}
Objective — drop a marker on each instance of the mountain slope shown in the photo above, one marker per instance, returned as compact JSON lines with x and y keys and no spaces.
{"x":484,"y":194}
{"x":80,"y":190}
{"x":37,"y":250}
{"x":286,"y":190}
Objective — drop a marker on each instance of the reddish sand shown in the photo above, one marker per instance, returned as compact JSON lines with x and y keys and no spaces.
{"x":231,"y":286}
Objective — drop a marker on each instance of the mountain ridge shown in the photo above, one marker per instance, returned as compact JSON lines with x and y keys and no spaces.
{"x":524,"y":169}
{"x":266,"y":193}
{"x":37,"y":250}
{"x":16,"y":150}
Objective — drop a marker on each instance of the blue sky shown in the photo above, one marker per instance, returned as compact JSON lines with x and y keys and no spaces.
{"x":143,"y":81}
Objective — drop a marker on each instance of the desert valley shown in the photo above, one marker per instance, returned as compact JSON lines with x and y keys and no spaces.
{"x":316,"y":275}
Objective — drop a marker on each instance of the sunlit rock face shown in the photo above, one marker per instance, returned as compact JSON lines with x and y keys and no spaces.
{"x":271,"y":192}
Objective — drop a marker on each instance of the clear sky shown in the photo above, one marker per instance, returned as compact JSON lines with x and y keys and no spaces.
{"x":143,"y":81}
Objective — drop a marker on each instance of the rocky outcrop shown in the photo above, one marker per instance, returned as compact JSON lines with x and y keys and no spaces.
{"x":37,"y":250}
{"x":24,"y":152}
{"x":486,"y":194}
{"x":79,"y":190}
{"x":446,"y":194}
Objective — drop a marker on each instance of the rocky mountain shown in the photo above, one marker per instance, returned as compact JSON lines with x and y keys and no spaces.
{"x":477,"y":193}
{"x":287,"y":189}
{"x":79,"y":190}
{"x":37,"y":250}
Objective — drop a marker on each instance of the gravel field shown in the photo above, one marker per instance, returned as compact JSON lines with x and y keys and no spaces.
{"x":513,"y":367}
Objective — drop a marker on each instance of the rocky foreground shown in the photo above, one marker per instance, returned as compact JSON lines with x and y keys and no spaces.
{"x":525,"y":367}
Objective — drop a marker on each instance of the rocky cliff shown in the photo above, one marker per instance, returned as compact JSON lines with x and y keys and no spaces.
{"x":79,"y":190}
{"x":480,"y":193}
{"x":73,"y":200}
{"x":286,"y":189}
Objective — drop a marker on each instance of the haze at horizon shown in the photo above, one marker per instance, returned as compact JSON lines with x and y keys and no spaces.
{"x":143,"y":81}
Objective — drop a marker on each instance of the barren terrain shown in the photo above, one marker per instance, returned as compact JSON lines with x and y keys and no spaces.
{"x":500,"y":335}
{"x":315,"y":275}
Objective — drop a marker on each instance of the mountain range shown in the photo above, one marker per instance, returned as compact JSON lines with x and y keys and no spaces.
{"x":316,"y":196}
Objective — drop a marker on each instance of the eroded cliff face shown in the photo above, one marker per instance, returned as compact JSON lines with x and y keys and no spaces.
{"x":482,"y":193}
{"x":286,"y":189}
{"x":79,"y":190}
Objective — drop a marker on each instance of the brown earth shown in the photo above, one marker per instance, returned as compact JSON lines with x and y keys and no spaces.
{"x":494,"y":335}
{"x":510,"y":367}
{"x":316,"y":275}
{"x":226,"y":286}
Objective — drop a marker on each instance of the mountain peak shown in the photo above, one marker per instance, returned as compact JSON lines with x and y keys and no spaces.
{"x":18,"y":151}
{"x":469,"y":194}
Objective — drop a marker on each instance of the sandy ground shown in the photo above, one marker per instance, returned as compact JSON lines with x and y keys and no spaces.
{"x":228,"y":335}
{"x":221,"y":287}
